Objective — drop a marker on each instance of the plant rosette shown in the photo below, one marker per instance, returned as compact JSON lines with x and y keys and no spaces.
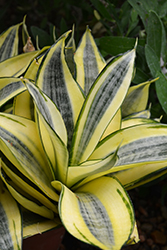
{"x":77,"y":134}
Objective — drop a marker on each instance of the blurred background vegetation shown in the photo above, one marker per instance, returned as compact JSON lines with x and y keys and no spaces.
{"x":115,"y":24}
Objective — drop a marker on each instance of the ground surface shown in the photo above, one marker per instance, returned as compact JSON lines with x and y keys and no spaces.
{"x":150,"y":204}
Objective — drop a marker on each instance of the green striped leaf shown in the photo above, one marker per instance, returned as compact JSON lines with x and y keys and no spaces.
{"x":103,"y":215}
{"x":90,"y":170}
{"x":25,"y":185}
{"x":140,"y":175}
{"x":146,"y":114}
{"x":114,"y":125}
{"x":55,"y":80}
{"x":52,"y":132}
{"x":16,"y":65}
{"x":25,"y":201}
{"x":34,"y":224}
{"x":48,"y":110}
{"x":10,"y":87}
{"x":130,"y":122}
{"x":89,"y":61}
{"x":70,"y":49}
{"x":101,"y":104}
{"x":147,"y":145}
{"x":10,"y":223}
{"x":136,"y":99}
{"x":9,"y":42}
{"x":23,"y":105}
{"x":22,"y":146}
{"x":32,"y":69}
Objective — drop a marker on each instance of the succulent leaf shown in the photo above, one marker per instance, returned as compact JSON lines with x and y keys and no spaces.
{"x":103,"y":215}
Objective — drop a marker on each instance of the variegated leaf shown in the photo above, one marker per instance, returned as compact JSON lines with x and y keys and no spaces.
{"x":146,"y":114}
{"x":141,"y":174}
{"x":10,"y":222}
{"x":129,"y":122}
{"x":70,"y":49}
{"x":52,"y":132}
{"x":10,"y":87}
{"x":90,"y":170}
{"x":89,"y":61}
{"x":23,"y":147}
{"x":103,"y":215}
{"x":34,"y":224}
{"x":24,"y":184}
{"x":23,"y":105}
{"x":114,"y":125}
{"x":147,"y":145}
{"x":16,"y":65}
{"x":55,"y":80}
{"x":101,"y":104}
{"x":9,"y":42}
{"x":136,"y":99}
{"x":25,"y":200}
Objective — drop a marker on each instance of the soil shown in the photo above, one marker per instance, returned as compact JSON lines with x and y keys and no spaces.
{"x":150,"y":205}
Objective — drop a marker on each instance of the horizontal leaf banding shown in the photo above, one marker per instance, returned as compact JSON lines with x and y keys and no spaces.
{"x":23,"y":153}
{"x":5,"y":239}
{"x":91,"y":71}
{"x":101,"y":102}
{"x":57,"y":91}
{"x":7,"y":45}
{"x":10,"y":88}
{"x":96,"y":218}
{"x":143,"y":150}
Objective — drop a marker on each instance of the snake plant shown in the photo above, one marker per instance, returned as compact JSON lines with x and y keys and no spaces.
{"x":76,"y":136}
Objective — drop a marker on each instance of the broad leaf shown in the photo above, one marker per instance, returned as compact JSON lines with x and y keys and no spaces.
{"x":25,"y":185}
{"x":161,"y":89}
{"x":103,"y":213}
{"x":101,"y":104}
{"x":22,"y":146}
{"x":27,"y":202}
{"x":147,"y":145}
{"x":137,"y":176}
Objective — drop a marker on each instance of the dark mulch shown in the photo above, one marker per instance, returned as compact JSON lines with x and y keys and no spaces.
{"x":150,"y":204}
